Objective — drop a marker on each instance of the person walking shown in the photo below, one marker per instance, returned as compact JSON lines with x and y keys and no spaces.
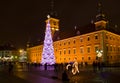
{"x":10,"y":68}
{"x":65,"y":76}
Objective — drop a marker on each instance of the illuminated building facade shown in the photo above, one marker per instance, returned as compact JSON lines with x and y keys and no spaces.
{"x":8,"y":53}
{"x":83,"y":47}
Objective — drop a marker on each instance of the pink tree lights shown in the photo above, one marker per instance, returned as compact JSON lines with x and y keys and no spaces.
{"x":48,"y":50}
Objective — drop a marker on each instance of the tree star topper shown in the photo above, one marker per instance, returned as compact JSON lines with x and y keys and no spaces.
{"x":48,"y":16}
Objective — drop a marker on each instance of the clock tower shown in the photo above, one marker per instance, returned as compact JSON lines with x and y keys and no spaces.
{"x":101,"y":21}
{"x":54,"y":24}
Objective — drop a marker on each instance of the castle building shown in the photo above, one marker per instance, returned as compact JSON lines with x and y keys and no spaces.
{"x":97,"y":44}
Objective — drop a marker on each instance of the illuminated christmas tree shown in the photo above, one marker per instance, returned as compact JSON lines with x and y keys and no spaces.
{"x":48,"y":50}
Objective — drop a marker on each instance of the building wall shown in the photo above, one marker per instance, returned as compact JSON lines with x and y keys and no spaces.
{"x":112,"y":47}
{"x":82,"y":48}
{"x":6,"y":54}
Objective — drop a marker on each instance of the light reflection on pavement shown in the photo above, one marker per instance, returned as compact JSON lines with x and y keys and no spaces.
{"x":39,"y":75}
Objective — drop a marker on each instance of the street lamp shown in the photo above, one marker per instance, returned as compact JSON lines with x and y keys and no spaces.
{"x":99,"y":54}
{"x":22,"y":56}
{"x":21,"y":50}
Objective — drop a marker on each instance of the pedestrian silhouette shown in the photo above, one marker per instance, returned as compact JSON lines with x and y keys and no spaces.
{"x":45,"y":66}
{"x":65,"y":76}
{"x":94,"y":66}
{"x":10,"y":68}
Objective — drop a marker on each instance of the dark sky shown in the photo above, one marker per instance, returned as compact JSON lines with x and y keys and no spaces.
{"x":23,"y":20}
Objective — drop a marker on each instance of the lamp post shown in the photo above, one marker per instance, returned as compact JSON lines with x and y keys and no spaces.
{"x":99,"y":54}
{"x":22,"y":56}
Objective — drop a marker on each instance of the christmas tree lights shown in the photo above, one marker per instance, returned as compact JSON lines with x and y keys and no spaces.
{"x":48,"y":50}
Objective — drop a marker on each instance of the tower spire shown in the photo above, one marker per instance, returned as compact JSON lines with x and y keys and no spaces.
{"x":53,"y":13}
{"x":52,"y":4}
{"x":100,"y":15}
{"x":101,"y":20}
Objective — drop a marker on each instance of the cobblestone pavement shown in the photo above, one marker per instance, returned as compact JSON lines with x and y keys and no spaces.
{"x":39,"y":75}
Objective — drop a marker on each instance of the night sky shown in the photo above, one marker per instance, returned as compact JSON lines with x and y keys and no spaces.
{"x":23,"y":20}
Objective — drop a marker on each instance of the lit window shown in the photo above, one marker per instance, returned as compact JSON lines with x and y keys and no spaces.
{"x":113,"y":38}
{"x":110,"y":37}
{"x":106,"y":37}
{"x":68,"y":43}
{"x":54,"y":23}
{"x":74,"y":50}
{"x":64,"y":51}
{"x":114,"y":48}
{"x":75,"y":58}
{"x":68,"y":51}
{"x":74,"y":41}
{"x":96,"y":48}
{"x":118,"y":48}
{"x":82,"y":58}
{"x":111,"y":57}
{"x":60,"y":52}
{"x":110,"y":48}
{"x":56,"y":49}
{"x":106,"y":48}
{"x":89,"y":58}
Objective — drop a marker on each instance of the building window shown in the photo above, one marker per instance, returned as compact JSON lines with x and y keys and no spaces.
{"x":81,"y":49}
{"x":96,"y":36}
{"x":74,"y":51}
{"x":88,"y":49}
{"x":64,"y":43}
{"x":81,"y":39}
{"x":88,"y":38}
